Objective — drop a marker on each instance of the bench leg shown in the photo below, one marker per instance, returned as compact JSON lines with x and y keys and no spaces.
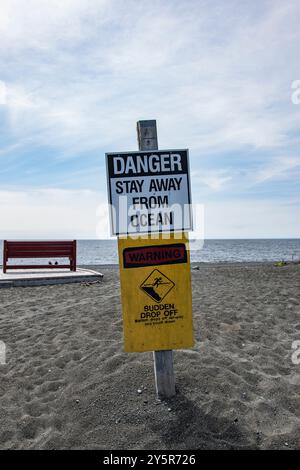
{"x":72,"y":265}
{"x":74,"y":255}
{"x":4,"y":256}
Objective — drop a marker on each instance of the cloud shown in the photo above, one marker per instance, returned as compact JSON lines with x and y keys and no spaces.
{"x":77,"y":75}
{"x":53,"y":213}
{"x":249,"y":219}
{"x":280,"y":168}
{"x":96,"y":67}
{"x":32,"y":24}
{"x":273,"y":169}
{"x":213,"y":179}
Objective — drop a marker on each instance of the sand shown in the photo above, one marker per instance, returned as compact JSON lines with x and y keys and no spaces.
{"x":68,"y":385}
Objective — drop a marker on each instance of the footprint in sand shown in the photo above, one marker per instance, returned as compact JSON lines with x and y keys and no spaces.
{"x":35,"y":409}
{"x":29,"y":426}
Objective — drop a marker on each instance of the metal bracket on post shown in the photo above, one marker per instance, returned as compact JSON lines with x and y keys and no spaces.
{"x":163,"y":360}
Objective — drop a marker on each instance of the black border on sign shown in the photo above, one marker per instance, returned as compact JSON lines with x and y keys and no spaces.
{"x":157,"y":263}
{"x":137,"y":152}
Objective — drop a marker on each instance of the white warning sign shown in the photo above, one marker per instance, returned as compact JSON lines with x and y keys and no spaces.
{"x":149,"y":191}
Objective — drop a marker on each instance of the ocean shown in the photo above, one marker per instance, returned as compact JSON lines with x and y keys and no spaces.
{"x":95,"y":252}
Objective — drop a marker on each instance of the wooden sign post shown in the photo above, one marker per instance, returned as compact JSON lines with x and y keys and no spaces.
{"x":163,"y":360}
{"x":148,"y":192}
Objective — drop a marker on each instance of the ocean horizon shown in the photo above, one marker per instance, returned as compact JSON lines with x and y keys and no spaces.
{"x":101,"y":252}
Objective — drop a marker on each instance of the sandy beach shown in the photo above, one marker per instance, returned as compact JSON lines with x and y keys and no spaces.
{"x":68,"y":385}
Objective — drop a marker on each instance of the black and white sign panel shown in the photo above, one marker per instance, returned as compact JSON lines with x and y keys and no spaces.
{"x":149,"y":191}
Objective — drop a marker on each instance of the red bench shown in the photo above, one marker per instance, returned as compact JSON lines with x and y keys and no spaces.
{"x":39,"y":249}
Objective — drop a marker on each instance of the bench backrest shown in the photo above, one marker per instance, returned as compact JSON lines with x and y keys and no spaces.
{"x":40,"y":249}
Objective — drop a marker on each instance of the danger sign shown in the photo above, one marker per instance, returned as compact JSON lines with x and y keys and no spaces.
{"x":149,"y":191}
{"x":156,"y":294}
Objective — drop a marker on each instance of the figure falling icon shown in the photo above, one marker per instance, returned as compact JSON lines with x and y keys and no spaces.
{"x":158,"y":281}
{"x":157,"y":285}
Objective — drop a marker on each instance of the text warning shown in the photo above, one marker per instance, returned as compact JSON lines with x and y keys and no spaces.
{"x":149,"y":191}
{"x":154,"y":255}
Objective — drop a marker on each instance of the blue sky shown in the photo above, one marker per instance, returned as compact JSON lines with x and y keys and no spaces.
{"x":218,"y":77}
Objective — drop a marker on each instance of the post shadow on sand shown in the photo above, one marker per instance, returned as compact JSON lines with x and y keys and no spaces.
{"x":197,"y":430}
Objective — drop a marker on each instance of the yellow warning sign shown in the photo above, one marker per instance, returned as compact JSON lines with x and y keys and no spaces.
{"x":156,"y":293}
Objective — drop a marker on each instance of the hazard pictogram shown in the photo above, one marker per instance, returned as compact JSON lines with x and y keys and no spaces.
{"x":157,"y":285}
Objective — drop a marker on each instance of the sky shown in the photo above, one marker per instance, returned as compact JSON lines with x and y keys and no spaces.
{"x":221,"y":78}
